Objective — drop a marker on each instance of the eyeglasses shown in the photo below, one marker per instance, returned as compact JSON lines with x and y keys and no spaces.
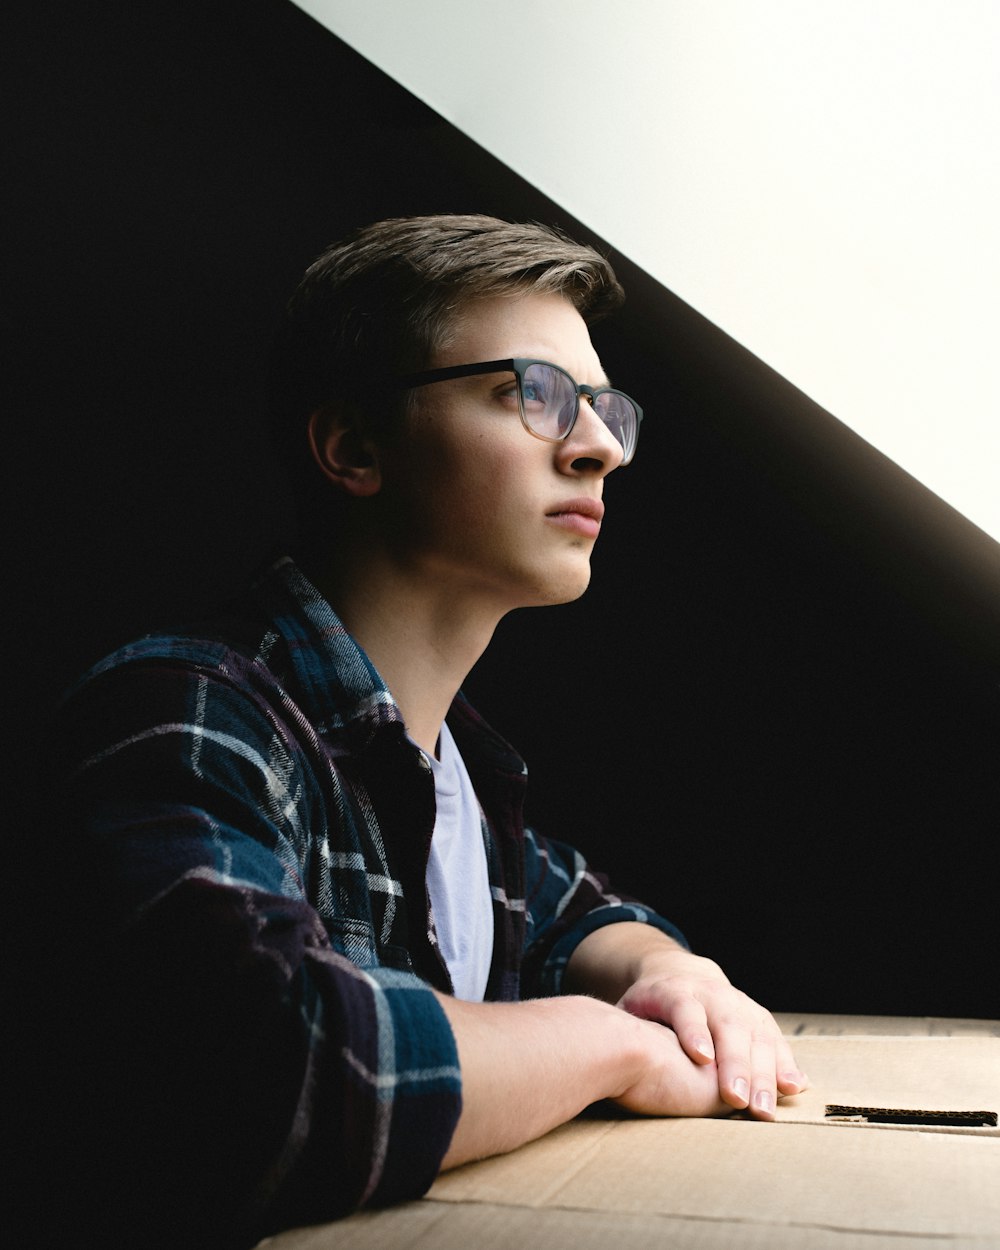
{"x":549,"y":399}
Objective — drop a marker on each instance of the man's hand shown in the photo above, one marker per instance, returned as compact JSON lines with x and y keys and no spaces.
{"x":672,"y":1037}
{"x":731,"y":1039}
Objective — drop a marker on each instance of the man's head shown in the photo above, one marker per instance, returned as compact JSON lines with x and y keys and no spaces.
{"x":383,"y":302}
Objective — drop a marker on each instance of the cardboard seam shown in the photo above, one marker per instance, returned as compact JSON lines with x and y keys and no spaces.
{"x":540,"y":1198}
{"x":917,"y":1039}
{"x":581,"y":1160}
{"x":431,"y":1230}
{"x":691,"y":1218}
{"x":947,"y":1129}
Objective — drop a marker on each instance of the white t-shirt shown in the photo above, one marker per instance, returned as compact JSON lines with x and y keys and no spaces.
{"x":457,"y":876}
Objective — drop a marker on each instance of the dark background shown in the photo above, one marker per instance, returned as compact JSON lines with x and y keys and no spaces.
{"x":776,"y":713}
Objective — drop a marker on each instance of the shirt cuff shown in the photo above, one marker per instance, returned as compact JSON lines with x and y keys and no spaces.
{"x":551,"y":976}
{"x":418,"y":1086}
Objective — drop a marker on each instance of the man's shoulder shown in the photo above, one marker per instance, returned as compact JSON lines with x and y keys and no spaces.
{"x":235,"y":639}
{"x":275,"y":653}
{"x":237,"y":649}
{"x":207,"y":700}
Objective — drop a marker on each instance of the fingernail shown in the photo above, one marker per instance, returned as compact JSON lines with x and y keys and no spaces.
{"x":764,"y":1101}
{"x":704,"y":1047}
{"x":741,"y":1089}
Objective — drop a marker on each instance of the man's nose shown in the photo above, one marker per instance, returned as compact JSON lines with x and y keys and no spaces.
{"x":590,"y":440}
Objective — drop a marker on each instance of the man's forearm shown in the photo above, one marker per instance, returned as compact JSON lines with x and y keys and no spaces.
{"x":528,"y":1067}
{"x":611,"y":959}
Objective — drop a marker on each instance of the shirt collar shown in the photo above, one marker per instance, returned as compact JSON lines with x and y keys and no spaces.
{"x":339,"y":687}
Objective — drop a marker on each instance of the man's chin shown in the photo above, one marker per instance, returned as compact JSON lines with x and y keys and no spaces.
{"x":566,"y":591}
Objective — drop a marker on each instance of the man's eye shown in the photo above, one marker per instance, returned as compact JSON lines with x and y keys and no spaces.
{"x":534,"y":393}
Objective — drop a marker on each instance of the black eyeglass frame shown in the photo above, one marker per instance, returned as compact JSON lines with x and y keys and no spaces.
{"x":517,"y":365}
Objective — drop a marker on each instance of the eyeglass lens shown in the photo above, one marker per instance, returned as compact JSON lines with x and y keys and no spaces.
{"x":550,"y":405}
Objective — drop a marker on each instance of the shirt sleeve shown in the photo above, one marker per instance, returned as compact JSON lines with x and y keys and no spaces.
{"x":223,"y":1072}
{"x":565,"y":899}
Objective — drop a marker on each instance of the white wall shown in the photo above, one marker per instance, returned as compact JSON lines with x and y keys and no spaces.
{"x":821,"y":180}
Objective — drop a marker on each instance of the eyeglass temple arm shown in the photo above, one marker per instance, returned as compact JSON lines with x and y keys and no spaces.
{"x":455,"y":371}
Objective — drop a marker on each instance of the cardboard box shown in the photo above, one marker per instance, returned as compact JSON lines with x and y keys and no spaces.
{"x":809,"y":1181}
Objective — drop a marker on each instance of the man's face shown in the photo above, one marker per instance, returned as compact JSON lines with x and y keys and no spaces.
{"x":477,"y":506}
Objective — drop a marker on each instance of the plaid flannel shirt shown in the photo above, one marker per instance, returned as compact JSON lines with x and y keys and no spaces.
{"x":247,"y":826}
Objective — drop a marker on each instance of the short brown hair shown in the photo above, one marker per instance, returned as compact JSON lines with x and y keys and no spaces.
{"x":380,"y":301}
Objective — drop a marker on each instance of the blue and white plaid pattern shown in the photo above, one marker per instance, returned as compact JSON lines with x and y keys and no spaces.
{"x":243,"y":797}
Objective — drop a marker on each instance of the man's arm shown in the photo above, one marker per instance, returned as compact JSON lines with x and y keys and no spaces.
{"x":213,"y":1058}
{"x":528,"y":1067}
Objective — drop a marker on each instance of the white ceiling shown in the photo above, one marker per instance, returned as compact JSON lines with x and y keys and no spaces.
{"x":820,"y":180}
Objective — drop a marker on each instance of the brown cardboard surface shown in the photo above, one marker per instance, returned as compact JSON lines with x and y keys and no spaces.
{"x":431,"y":1225}
{"x":795,"y":1025}
{"x":916,"y":1073}
{"x":789,"y":1175}
{"x":707,"y":1185}
{"x":801,"y":1183}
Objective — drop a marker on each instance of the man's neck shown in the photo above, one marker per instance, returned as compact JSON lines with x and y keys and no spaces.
{"x":421,"y":640}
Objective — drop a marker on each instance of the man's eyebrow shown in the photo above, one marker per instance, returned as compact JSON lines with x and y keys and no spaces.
{"x":599,"y":385}
{"x":607,"y":381}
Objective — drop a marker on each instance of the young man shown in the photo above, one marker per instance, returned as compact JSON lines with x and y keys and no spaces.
{"x":325,"y":959}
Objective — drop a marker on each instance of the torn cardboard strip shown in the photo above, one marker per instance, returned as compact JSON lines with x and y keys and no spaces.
{"x":910,"y":1117}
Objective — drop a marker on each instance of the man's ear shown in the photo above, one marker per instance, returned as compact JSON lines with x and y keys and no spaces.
{"x":343,"y":451}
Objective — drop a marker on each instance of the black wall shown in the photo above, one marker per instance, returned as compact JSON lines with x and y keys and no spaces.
{"x":776,"y":714}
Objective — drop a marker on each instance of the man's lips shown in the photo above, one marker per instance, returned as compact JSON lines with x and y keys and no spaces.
{"x":581,"y":516}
